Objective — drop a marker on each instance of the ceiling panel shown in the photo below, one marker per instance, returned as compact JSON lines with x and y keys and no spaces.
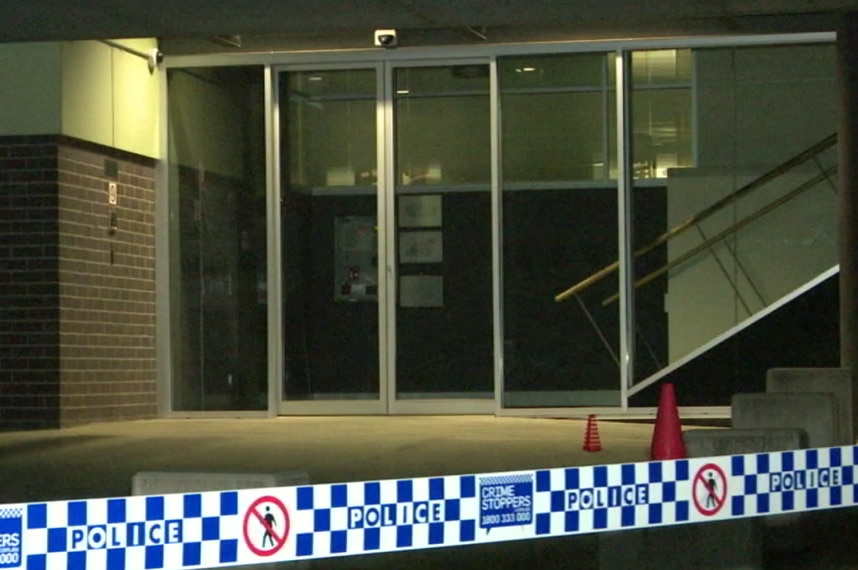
{"x":38,"y":20}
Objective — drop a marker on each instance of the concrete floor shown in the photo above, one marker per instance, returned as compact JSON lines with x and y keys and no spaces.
{"x":100,"y":460}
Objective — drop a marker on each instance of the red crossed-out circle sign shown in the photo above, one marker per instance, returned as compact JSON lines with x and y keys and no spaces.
{"x":266,"y":526}
{"x":709,"y":489}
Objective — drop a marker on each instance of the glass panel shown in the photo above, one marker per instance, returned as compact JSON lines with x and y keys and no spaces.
{"x":662,"y":112}
{"x":557,"y":128}
{"x":754,"y":238}
{"x":534,"y":73}
{"x":662,"y":131}
{"x":218,"y":247}
{"x":554,"y":118}
{"x":330,"y":238}
{"x":443,"y":233}
{"x":331,"y":128}
{"x":442,"y":125}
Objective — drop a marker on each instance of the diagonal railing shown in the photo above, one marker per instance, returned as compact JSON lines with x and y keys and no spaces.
{"x":823,"y":174}
{"x":732,"y":229}
{"x":810,"y":154}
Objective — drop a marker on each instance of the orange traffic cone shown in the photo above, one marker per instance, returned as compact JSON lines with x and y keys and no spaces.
{"x":667,"y":438}
{"x":591,"y":437}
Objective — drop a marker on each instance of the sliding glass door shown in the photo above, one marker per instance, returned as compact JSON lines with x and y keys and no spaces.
{"x":331,"y":274}
{"x":386,"y":240}
{"x":441,"y":227}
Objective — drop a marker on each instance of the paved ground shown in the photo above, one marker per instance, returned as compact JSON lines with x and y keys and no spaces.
{"x":100,"y":460}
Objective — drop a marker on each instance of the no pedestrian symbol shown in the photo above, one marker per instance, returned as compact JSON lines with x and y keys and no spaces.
{"x":266,"y":526}
{"x":709,"y":489}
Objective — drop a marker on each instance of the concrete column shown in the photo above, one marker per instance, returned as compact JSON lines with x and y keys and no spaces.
{"x":847,"y":71}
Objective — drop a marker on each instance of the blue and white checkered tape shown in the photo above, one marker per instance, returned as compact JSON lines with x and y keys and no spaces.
{"x":243,"y":527}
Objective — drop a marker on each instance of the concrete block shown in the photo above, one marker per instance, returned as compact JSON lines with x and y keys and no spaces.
{"x":714,"y":442}
{"x":815,"y":413}
{"x":166,"y":482}
{"x":721,"y":545}
{"x":781,"y":532}
{"x":837,"y":381}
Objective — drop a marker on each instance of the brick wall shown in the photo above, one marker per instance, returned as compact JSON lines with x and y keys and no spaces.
{"x":81,"y":344}
{"x":29,"y":283}
{"x":107,"y":286}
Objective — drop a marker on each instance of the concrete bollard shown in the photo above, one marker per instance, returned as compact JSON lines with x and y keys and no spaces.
{"x":815,"y":413}
{"x":780,"y":532}
{"x":837,"y":381}
{"x":721,"y":545}
{"x":714,"y":442}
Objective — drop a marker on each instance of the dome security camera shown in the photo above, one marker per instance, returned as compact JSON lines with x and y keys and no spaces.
{"x":386,"y":38}
{"x":156,"y":57}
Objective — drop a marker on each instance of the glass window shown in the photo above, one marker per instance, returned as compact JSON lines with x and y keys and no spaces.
{"x":329,"y":235}
{"x":662,"y":67}
{"x":331,"y":140}
{"x":662,"y":112}
{"x":452,"y":151}
{"x":554,"y":117}
{"x":564,"y":72}
{"x":661,"y":104}
{"x":218,"y":245}
{"x":559,"y":116}
{"x":443,"y":233}
{"x":559,"y":227}
{"x":755,"y":237}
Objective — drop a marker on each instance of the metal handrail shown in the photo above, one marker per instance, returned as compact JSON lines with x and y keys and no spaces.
{"x":727,"y":232}
{"x":804,"y":156}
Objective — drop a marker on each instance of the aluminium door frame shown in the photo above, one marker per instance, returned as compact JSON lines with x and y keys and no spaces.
{"x":441,"y":406}
{"x":275,"y":62}
{"x":276,"y":347}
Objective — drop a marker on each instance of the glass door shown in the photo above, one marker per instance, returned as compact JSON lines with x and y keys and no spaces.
{"x":439,"y":131}
{"x":329,"y":212}
{"x":386,"y":237}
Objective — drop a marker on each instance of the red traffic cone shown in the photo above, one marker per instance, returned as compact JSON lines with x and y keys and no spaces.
{"x":591,"y":437}
{"x":667,"y":438}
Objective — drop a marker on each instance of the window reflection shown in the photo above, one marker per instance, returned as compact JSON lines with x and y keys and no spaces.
{"x":559,"y":116}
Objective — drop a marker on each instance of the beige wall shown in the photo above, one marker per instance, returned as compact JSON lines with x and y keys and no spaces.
{"x":110,"y":97}
{"x":87,"y":90}
{"x":30,"y":88}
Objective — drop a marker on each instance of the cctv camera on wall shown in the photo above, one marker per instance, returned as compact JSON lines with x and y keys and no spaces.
{"x":156,"y":58}
{"x":386,"y":38}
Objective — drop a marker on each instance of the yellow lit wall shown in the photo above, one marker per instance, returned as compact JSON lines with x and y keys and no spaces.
{"x":87,"y":90}
{"x":109,"y":96}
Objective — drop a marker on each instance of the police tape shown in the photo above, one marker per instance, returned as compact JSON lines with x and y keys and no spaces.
{"x":245,"y":527}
